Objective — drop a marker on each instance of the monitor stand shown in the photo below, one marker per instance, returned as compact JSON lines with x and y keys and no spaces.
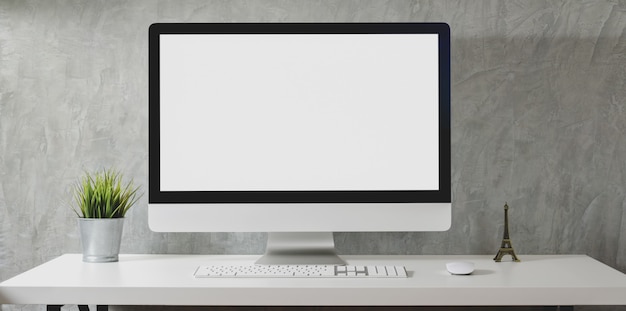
{"x":300,"y":248}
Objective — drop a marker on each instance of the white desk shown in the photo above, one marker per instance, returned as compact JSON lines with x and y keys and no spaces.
{"x":167,"y":280}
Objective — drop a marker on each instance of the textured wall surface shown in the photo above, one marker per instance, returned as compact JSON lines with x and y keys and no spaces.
{"x":538,"y":103}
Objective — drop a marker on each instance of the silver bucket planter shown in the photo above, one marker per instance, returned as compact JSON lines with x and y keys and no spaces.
{"x":101,"y":238}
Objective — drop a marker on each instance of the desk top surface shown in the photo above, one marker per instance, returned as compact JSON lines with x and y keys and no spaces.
{"x":168,"y":280}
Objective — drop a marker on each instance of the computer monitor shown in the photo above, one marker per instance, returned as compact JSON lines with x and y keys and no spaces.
{"x":299,"y":130}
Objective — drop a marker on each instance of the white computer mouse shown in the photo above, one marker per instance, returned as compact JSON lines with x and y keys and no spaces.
{"x":460,"y":267}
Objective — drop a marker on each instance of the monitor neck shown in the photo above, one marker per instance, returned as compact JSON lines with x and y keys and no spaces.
{"x":300,"y":248}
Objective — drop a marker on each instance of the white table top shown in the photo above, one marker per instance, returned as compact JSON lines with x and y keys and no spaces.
{"x":168,"y":280}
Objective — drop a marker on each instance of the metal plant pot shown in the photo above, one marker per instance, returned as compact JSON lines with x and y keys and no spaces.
{"x":101,"y":238}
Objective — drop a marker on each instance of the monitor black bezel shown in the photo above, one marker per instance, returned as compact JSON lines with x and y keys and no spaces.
{"x":443,"y":195}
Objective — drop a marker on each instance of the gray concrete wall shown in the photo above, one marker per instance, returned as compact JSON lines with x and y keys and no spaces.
{"x":538,"y":104}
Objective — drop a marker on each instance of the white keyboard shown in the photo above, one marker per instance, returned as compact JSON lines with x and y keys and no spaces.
{"x":300,"y":271}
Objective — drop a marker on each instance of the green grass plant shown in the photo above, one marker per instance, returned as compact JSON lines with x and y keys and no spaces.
{"x":102,"y":194}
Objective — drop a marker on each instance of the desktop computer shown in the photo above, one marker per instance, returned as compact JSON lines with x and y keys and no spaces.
{"x":299,"y":130}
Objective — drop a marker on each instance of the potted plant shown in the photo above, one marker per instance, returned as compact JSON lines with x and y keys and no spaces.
{"x":102,"y":200}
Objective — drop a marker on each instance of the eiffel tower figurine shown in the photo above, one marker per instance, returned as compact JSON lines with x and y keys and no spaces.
{"x":506,"y":248}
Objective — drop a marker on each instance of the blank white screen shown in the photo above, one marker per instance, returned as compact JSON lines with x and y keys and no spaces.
{"x":299,"y":112}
